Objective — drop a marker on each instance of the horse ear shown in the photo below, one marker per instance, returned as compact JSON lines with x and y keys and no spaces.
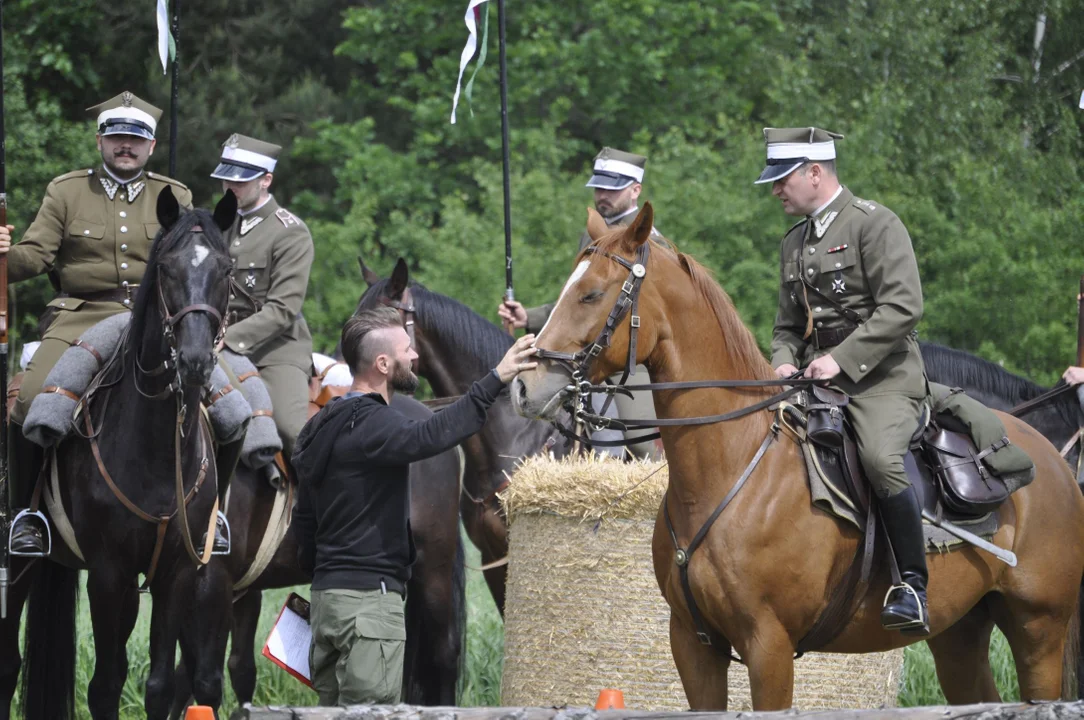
{"x":400,"y":277}
{"x":639,"y":231}
{"x":371,"y":278}
{"x":596,"y":225}
{"x":226,"y":211}
{"x":168,"y":209}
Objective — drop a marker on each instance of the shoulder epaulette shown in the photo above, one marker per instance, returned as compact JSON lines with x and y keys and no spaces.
{"x":864,"y":205}
{"x":166,"y":179}
{"x":286,"y":217}
{"x":74,"y":174}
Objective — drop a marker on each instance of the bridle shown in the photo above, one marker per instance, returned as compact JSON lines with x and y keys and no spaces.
{"x":405,"y":306}
{"x":169,"y":325}
{"x":579,"y":365}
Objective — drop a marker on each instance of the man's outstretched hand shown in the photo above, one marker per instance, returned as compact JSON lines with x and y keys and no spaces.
{"x":517,"y":359}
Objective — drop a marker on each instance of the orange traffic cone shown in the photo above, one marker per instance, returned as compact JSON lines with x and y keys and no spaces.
{"x":199,"y":712}
{"x":610,"y":699}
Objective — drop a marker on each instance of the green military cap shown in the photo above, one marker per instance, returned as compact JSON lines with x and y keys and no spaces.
{"x":245,"y":158}
{"x":126,"y":114}
{"x":616,"y":170}
{"x":790,"y":148}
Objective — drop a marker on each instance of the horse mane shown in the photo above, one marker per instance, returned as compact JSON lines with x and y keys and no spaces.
{"x":749,"y":361}
{"x":474,"y":342}
{"x":165,"y":243}
{"x":972,"y":371}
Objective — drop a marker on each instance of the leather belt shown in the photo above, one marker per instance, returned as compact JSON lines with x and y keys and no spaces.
{"x":826,"y":338}
{"x":118,"y":295}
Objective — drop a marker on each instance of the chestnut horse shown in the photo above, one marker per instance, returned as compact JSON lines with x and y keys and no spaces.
{"x":766,"y":570}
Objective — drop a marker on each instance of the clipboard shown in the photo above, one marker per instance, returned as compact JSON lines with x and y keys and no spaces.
{"x":288,"y":643}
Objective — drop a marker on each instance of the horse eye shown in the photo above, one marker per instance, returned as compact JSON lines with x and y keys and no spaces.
{"x":592,"y":296}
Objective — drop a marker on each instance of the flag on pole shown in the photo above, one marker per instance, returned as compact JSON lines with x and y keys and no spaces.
{"x":471,"y":19}
{"x":166,"y":48}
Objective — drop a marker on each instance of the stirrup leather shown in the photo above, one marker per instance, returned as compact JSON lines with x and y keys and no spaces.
{"x":922,"y":619}
{"x":48,"y":537}
{"x":226,"y":532}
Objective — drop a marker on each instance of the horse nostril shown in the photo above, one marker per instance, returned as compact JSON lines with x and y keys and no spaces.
{"x":521,"y":389}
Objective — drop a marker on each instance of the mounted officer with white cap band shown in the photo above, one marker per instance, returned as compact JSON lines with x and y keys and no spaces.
{"x":617,"y":179}
{"x":849,"y":300}
{"x":272,"y":252}
{"x":93,"y":234}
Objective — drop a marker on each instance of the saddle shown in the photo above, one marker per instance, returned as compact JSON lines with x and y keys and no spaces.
{"x":321,"y":394}
{"x":944,"y":464}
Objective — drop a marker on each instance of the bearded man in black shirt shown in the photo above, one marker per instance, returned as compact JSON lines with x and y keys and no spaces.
{"x":352,"y":514}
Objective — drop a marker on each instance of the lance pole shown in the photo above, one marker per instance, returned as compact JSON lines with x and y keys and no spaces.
{"x":175,"y":82}
{"x":5,"y":501}
{"x":1080,"y":325}
{"x":508,"y":293}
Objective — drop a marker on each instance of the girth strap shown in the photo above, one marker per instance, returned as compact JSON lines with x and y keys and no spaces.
{"x":682,"y":556}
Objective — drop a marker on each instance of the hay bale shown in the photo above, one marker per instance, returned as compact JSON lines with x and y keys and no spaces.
{"x":583,"y":610}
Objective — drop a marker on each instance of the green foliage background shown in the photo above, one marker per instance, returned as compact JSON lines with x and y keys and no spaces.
{"x":956,"y":117}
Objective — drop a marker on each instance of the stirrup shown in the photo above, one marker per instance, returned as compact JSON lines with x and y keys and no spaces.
{"x":923,"y":620}
{"x":47,"y":537}
{"x":226,"y":532}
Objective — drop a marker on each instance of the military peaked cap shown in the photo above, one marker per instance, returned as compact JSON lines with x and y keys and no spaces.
{"x":790,"y":148}
{"x":126,"y":114}
{"x":616,"y":170}
{"x":245,"y":158}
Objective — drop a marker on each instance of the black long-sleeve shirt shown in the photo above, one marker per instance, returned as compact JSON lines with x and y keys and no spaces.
{"x":352,"y":517}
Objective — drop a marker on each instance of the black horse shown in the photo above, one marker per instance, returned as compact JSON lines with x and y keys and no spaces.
{"x":436,"y":593}
{"x":1058,"y":419}
{"x":455,"y":347}
{"x":140,"y":436}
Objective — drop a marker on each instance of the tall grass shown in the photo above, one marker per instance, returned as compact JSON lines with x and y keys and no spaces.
{"x":485,"y":651}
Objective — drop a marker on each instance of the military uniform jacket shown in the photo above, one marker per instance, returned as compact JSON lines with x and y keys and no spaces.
{"x":537,"y":316}
{"x":272,"y":253}
{"x":91,"y":242}
{"x":859,"y":254}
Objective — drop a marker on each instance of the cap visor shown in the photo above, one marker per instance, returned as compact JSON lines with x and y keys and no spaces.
{"x":772,"y":173}
{"x":126,"y":129}
{"x":609,"y":182}
{"x":236,"y":173}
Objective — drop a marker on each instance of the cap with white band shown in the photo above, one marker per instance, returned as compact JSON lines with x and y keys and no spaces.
{"x":126,"y":114}
{"x":616,"y":170}
{"x":790,"y":148}
{"x":245,"y":158}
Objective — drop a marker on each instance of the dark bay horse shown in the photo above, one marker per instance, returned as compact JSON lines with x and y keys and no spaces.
{"x":766,"y":569}
{"x":140,"y":436}
{"x":1058,"y":418}
{"x":436,"y":593}
{"x":455,"y":347}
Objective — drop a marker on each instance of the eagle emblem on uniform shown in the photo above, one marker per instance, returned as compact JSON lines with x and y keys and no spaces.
{"x":126,"y":99}
{"x":233,"y":142}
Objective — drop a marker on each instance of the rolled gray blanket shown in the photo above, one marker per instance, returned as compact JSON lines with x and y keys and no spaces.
{"x":262,"y":440}
{"x":49,"y":419}
{"x":229,"y":412}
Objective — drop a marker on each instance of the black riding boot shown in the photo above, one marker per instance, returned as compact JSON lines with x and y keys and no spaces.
{"x":225,"y":463}
{"x":905,"y":604}
{"x":25,"y":459}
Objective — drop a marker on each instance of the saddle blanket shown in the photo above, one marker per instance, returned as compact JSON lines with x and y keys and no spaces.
{"x":836,"y":501}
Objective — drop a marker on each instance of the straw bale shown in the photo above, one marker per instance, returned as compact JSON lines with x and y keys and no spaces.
{"x":584,"y":612}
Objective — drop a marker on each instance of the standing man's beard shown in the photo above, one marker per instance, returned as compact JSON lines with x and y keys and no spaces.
{"x":403,"y":380}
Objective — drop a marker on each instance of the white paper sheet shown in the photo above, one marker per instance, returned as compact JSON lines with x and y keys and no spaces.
{"x":289,"y":642}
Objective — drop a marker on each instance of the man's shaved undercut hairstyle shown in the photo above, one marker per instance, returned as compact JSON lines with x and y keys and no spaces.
{"x":362,"y":340}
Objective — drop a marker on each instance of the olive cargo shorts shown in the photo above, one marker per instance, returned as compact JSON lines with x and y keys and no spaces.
{"x":358,"y":642}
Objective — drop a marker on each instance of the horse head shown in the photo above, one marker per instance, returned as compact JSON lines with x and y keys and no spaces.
{"x":394,"y":292}
{"x":179,"y":314}
{"x":588,"y":334}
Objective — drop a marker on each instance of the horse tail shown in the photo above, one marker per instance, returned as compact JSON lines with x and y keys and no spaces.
{"x":1072,"y":673}
{"x":459,"y":612}
{"x":48,"y":684}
